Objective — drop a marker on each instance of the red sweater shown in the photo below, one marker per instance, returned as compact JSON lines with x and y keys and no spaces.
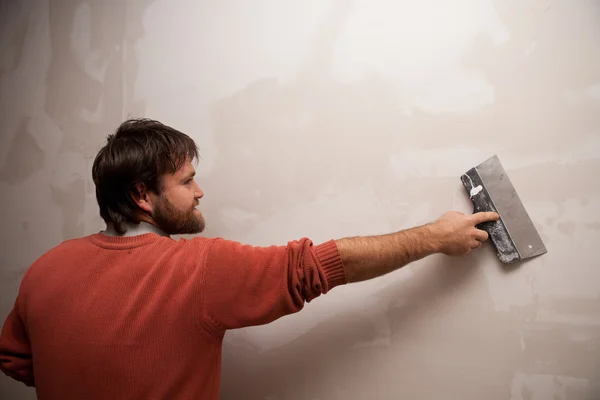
{"x":143,"y":317}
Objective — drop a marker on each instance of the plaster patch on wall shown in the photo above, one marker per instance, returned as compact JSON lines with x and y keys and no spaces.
{"x":383,"y":332}
{"x":81,"y":32}
{"x":453,"y":162}
{"x":70,"y":199}
{"x":89,"y":60}
{"x":35,"y":57}
{"x":512,"y":290}
{"x":277,"y":38}
{"x":567,"y":228}
{"x":595,"y":226}
{"x":583,"y":149}
{"x":526,"y":290}
{"x":380,"y":38}
{"x":29,"y":202}
{"x":24,"y":158}
{"x":96,"y":116}
{"x":353,"y":211}
{"x":235,"y":219}
{"x":544,"y":387}
{"x":69,"y":166}
{"x":415,"y":162}
{"x":568,"y":318}
{"x":13,"y":30}
{"x":72,"y":86}
{"x":578,"y":269}
{"x":45,"y":132}
{"x":570,"y":210}
{"x":587,"y":95}
{"x":22,"y":68}
{"x":573,"y":311}
{"x":454,"y":92}
{"x":522,"y":340}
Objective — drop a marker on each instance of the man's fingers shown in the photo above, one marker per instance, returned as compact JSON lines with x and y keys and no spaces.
{"x":480,"y":235}
{"x":485,"y":216}
{"x":475,"y":244}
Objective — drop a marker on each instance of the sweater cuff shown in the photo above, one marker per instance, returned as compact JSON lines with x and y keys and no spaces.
{"x":330,"y":260}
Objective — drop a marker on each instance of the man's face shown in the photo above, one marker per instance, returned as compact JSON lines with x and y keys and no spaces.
{"x":174,"y":209}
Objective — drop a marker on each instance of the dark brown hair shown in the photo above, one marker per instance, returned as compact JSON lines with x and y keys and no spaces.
{"x":140,"y":151}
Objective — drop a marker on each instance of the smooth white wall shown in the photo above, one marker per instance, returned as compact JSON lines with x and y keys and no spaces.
{"x":328,"y":119}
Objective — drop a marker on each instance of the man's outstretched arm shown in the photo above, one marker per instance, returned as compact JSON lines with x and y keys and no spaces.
{"x":246,"y":285}
{"x":452,"y":234}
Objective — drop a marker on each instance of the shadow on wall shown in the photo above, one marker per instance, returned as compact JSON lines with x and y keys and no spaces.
{"x":319,"y":362}
{"x":16,"y":167}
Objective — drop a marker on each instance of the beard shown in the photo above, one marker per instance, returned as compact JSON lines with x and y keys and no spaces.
{"x":176,"y":222}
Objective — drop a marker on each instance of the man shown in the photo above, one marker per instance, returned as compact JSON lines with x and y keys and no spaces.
{"x":129,"y":313}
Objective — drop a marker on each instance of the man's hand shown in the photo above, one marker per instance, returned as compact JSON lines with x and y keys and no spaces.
{"x":456,"y":233}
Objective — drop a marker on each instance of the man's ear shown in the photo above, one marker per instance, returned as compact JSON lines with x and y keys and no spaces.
{"x":141,"y":196}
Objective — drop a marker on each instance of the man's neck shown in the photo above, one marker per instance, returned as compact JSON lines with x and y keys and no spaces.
{"x":132,"y":229}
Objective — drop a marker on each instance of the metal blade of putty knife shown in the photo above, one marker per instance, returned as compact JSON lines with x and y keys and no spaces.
{"x":514,"y":234}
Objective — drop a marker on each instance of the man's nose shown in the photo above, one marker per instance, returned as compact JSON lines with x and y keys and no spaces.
{"x":199,"y":193}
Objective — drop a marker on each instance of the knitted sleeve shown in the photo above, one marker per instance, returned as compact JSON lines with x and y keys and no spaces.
{"x":243,"y":285}
{"x":15,"y":350}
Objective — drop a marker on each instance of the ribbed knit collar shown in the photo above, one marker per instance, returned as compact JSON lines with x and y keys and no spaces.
{"x":132,"y":229}
{"x":136,"y":235}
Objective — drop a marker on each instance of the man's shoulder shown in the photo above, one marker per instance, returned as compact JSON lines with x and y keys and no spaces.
{"x":55,"y":255}
{"x":69,"y":244}
{"x":60,"y":249}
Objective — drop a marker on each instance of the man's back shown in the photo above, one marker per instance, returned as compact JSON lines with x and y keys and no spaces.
{"x":119,"y":317}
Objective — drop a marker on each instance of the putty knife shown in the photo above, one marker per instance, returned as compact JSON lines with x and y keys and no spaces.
{"x":513,"y":235}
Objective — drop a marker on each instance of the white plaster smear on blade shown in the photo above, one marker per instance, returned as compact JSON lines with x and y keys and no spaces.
{"x":476,"y":190}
